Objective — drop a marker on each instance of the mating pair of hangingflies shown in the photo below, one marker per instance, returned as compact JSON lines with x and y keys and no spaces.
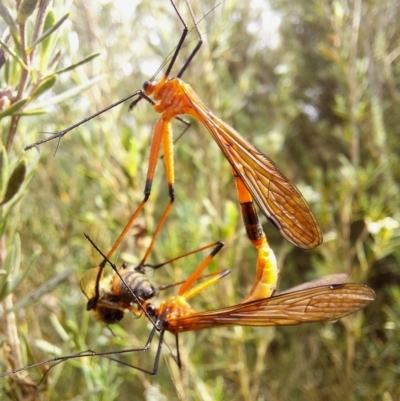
{"x":257,"y":178}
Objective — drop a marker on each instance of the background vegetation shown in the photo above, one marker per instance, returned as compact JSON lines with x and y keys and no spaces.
{"x":319,"y":95}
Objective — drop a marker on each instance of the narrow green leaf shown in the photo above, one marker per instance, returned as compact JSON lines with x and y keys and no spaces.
{"x":30,"y":355}
{"x":44,"y":86}
{"x":15,"y":181}
{"x":16,"y":260}
{"x":26,"y":9}
{"x":4,"y":285}
{"x":59,"y":327}
{"x":5,"y":281}
{"x":73,"y":66}
{"x":13,"y":108}
{"x":48,"y":347}
{"x":19,"y":274}
{"x":9,"y":20}
{"x":13,"y":54}
{"x":49,"y":28}
{"x":33,"y":112}
{"x":70,"y":93}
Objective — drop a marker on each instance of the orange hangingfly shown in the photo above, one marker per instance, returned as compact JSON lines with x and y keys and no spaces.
{"x":109,"y":297}
{"x":279,"y":200}
{"x":325,"y":299}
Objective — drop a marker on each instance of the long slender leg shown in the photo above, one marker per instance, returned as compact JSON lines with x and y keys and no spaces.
{"x":90,"y":353}
{"x":199,"y":44}
{"x":168,"y":148}
{"x":162,"y":133}
{"x":184,"y":255}
{"x":185,"y":290}
{"x":154,"y":370}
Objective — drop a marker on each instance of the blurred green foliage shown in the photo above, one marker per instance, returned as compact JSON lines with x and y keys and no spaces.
{"x":319,"y":96}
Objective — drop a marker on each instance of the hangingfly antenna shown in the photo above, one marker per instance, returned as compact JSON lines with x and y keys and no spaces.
{"x":197,"y":48}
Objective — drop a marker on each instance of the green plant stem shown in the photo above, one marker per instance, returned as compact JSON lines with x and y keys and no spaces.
{"x":21,"y":88}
